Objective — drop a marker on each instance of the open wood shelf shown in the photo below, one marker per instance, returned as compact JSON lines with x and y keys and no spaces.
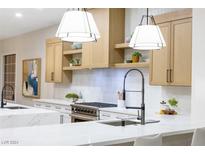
{"x":70,"y":52}
{"x":132,"y":65}
{"x":122,"y":46}
{"x":70,"y":68}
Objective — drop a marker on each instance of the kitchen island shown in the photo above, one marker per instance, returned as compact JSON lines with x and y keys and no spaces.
{"x":97,"y":133}
{"x":26,"y":116}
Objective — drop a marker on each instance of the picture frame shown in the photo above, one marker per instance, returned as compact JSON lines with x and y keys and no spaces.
{"x":31,"y":77}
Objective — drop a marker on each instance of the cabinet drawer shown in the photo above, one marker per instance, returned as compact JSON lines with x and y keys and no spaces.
{"x":63,"y":109}
{"x":66,"y":118}
{"x":43,"y":105}
{"x":105,"y":115}
{"x":66,"y":109}
{"x":58,"y":108}
{"x":111,"y":115}
{"x":37,"y":105}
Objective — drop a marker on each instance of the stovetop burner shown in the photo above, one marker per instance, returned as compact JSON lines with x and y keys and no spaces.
{"x":98,"y":104}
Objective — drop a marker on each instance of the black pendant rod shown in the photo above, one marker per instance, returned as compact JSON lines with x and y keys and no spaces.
{"x":147,"y":16}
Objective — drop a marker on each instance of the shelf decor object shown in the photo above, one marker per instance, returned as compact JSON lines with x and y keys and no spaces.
{"x":78,"y":25}
{"x":147,"y":36}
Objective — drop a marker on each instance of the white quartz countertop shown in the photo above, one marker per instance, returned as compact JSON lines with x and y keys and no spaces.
{"x":54,"y":101}
{"x":29,"y":110}
{"x":95,"y":133}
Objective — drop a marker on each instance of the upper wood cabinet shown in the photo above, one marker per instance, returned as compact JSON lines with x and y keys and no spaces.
{"x":54,"y":61}
{"x":181,"y":62}
{"x":111,"y":25}
{"x":160,"y":59}
{"x":172,"y":65}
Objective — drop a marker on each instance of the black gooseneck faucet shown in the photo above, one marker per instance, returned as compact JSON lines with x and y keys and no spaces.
{"x":2,"y":94}
{"x":142,"y":108}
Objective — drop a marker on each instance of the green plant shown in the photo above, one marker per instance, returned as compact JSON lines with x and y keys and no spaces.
{"x":173,"y":102}
{"x":136,"y":53}
{"x":72,"y":61}
{"x":73,"y":96}
{"x":77,"y":61}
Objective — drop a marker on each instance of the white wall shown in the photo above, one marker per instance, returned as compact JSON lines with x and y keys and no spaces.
{"x":98,"y":84}
{"x":27,"y":46}
{"x":198,"y":63}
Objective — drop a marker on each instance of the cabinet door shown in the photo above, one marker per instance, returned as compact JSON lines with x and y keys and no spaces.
{"x":49,"y":63}
{"x":98,"y":52}
{"x":58,"y":53}
{"x":86,"y":55}
{"x":160,"y":59}
{"x":181,"y":52}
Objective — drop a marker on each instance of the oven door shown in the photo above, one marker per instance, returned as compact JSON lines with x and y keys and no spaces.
{"x":81,"y":118}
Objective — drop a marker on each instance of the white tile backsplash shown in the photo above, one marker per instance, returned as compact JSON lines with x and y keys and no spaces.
{"x":103,"y":84}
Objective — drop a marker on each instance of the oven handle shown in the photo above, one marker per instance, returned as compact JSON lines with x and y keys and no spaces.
{"x":83,"y":117}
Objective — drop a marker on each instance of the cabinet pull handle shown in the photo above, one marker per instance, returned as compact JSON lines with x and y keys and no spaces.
{"x":168,"y":75}
{"x":58,"y":107}
{"x":52,"y":76}
{"x":61,"y":119}
{"x":106,"y":115}
{"x":171,"y":74}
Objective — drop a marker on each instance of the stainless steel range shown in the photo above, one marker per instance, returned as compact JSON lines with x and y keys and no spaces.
{"x":87,"y":111}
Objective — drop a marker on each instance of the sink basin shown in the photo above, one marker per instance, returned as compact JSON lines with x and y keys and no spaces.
{"x":127,"y":122}
{"x":15,"y":107}
{"x":120,"y":123}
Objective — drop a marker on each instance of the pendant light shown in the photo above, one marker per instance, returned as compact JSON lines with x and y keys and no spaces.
{"x":78,"y":25}
{"x":147,"y":36}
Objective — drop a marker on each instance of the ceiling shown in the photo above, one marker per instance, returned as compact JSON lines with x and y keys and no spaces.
{"x":31,"y":20}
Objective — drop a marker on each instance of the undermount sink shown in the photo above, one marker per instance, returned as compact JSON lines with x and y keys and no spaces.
{"x":15,"y":107}
{"x":120,"y":123}
{"x":127,"y":122}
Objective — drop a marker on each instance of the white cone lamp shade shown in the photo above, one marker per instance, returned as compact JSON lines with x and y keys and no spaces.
{"x":78,"y":26}
{"x":147,"y":37}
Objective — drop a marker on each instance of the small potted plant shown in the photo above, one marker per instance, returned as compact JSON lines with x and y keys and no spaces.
{"x":173,"y":103}
{"x":72,"y":96}
{"x":77,"y":62}
{"x":136,"y":56}
{"x":71,"y":62}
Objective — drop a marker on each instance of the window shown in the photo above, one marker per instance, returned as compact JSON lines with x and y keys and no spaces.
{"x":9,"y":75}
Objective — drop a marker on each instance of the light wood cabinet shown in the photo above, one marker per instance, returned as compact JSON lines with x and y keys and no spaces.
{"x":54,"y":62}
{"x":102,"y":54}
{"x":160,"y":60}
{"x":181,"y":52}
{"x":49,"y":63}
{"x":172,"y":65}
